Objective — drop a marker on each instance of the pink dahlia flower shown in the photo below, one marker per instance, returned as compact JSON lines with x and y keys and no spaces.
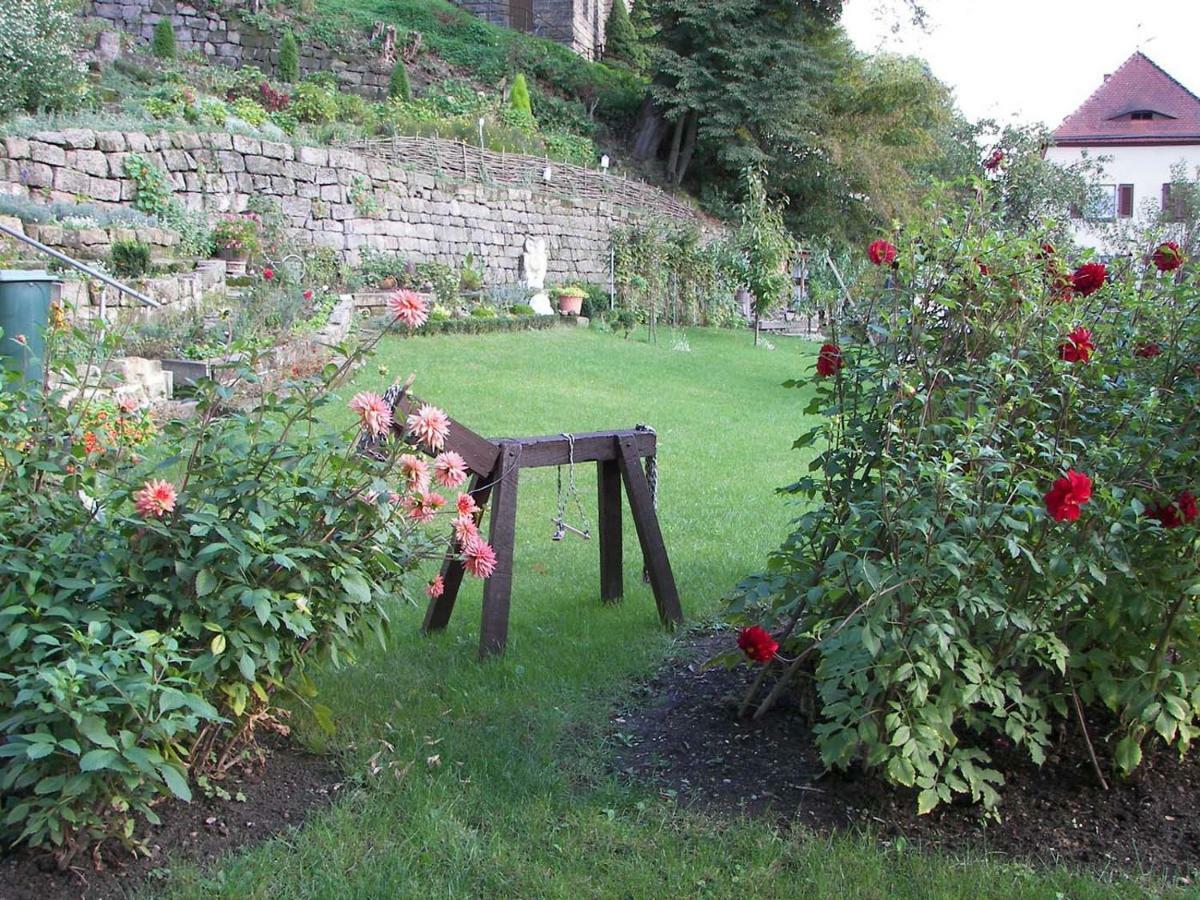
{"x":414,"y":471}
{"x":436,"y":588}
{"x":465,"y":529}
{"x":429,"y":425}
{"x":449,"y":469}
{"x":479,"y":559}
{"x":373,"y":412}
{"x":466,"y":505}
{"x":155,"y":499}
{"x":410,"y":308}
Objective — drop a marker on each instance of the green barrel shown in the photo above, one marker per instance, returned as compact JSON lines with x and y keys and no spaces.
{"x":24,"y":311}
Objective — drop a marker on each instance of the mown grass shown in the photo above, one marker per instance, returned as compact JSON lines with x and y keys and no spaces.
{"x":522,"y":801}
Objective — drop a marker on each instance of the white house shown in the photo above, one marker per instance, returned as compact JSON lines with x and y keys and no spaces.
{"x":1138,"y":124}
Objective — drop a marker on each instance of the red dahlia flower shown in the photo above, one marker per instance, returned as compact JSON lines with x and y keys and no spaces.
{"x":268,"y":274}
{"x":1168,"y":257}
{"x":1171,"y":515}
{"x":829,"y":360}
{"x":1078,"y":347}
{"x":992,"y":163}
{"x":881,"y":253}
{"x":758,"y":645}
{"x":1148,"y":350}
{"x":1067,"y":495}
{"x":1089,"y":278}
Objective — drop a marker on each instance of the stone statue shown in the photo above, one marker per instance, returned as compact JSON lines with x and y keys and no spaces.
{"x":533,"y":263}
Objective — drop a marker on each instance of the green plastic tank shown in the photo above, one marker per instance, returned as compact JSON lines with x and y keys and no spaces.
{"x":24,"y":312}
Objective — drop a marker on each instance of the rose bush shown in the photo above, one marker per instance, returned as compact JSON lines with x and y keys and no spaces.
{"x":1002,"y":521}
{"x":154,"y":606}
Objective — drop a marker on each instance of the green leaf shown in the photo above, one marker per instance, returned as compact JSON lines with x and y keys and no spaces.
{"x":177,"y":783}
{"x":901,"y":771}
{"x":217,"y":644}
{"x":1129,"y":754}
{"x":324,"y":717}
{"x":92,"y":728}
{"x":206,"y":582}
{"x":926,"y":801}
{"x":99,"y":759}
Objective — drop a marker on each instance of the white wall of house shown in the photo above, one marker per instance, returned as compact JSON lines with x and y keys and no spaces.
{"x":1146,"y":168}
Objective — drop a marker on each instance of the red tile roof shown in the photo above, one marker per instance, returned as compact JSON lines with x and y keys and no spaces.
{"x":1139,"y":84}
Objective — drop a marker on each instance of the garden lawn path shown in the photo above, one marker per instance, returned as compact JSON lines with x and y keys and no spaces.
{"x":494,"y":779}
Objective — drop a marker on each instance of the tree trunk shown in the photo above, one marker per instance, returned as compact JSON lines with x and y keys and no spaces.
{"x":689,"y":147}
{"x":650,"y":130}
{"x":676,"y":143}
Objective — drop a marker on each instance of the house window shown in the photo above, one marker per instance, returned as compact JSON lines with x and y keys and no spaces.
{"x":1141,"y":115}
{"x":1124,"y":201}
{"x":520,"y":15}
{"x":1175,"y":203}
{"x":1101,"y":203}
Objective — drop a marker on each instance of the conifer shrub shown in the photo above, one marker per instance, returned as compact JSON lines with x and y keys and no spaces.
{"x":162,"y":44}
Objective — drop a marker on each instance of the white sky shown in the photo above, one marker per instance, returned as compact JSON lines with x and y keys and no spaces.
{"x":1032,"y":60}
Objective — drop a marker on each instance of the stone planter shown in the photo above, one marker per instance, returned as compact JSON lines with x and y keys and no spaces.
{"x":235,"y":262}
{"x":570,"y":304}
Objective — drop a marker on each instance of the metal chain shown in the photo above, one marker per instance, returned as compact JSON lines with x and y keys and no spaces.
{"x":651,"y":469}
{"x":560,"y":523}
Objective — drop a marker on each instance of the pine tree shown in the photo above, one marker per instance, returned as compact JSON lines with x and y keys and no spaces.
{"x":163,"y":43}
{"x":643,"y":24}
{"x":289,"y":59}
{"x":620,"y":40}
{"x":398,"y":87}
{"x":519,"y":96}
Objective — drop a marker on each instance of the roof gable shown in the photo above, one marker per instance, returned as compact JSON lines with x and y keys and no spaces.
{"x":1139,"y":85}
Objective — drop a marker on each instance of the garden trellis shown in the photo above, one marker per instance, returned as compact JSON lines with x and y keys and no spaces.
{"x":495,"y":466}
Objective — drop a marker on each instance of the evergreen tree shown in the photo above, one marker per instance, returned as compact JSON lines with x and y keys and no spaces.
{"x":398,"y":87}
{"x":643,"y":24}
{"x":620,"y":40}
{"x":519,"y":96}
{"x":289,"y":59}
{"x":162,"y":44}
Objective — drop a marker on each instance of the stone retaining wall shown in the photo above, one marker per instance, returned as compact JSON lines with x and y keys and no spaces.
{"x":335,"y":198}
{"x":206,"y":28}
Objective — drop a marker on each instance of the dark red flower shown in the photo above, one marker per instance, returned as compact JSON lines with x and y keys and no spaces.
{"x":1168,"y":257}
{"x":992,"y":163}
{"x":1078,"y":347}
{"x":881,"y":253}
{"x":1089,"y":278}
{"x":1171,"y":515}
{"x":1067,"y":495}
{"x":1047,"y":250}
{"x":983,"y":269}
{"x":268,"y":274}
{"x":829,"y":360}
{"x":758,"y":645}
{"x":308,"y":295}
{"x":1148,"y":350}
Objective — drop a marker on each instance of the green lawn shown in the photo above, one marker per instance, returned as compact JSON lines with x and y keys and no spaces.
{"x":523,"y":804}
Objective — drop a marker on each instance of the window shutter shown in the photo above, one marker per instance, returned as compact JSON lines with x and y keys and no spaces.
{"x":1125,"y":201}
{"x":1166,"y":205}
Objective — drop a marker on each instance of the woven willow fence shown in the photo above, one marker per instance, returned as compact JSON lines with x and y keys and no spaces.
{"x":460,"y":162}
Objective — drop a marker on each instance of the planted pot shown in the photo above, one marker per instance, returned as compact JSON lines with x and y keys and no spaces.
{"x":235,"y":261}
{"x":570,"y":304}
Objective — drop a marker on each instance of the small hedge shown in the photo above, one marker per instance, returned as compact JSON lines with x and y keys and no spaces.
{"x":475,"y":325}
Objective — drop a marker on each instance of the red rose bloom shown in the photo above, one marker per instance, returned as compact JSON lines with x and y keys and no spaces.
{"x":992,"y":163}
{"x":268,"y":274}
{"x":1148,"y":350}
{"x":1168,"y":257}
{"x":1067,"y":495}
{"x":1172,"y":515}
{"x":308,"y":295}
{"x":1047,"y":250}
{"x":758,"y":645}
{"x":881,"y":253}
{"x":1078,"y":347}
{"x":829,"y":360}
{"x":1089,"y":278}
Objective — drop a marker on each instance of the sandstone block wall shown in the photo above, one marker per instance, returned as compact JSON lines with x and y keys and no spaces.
{"x":330,"y":197}
{"x":205,"y":28}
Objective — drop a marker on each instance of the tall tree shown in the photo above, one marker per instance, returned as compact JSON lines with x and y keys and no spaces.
{"x":621,"y":42}
{"x":643,"y":24}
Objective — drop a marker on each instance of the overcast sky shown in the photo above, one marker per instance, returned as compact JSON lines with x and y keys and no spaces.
{"x":1033,"y":60}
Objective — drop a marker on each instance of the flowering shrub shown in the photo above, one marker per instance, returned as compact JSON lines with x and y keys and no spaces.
{"x":238,"y":235}
{"x":153,"y":608}
{"x":38,"y":69}
{"x":1003,"y":520}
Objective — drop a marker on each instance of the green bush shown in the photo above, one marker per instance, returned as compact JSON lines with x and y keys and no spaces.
{"x":521,"y":309}
{"x":1002,"y":525}
{"x":38,"y":68}
{"x":289,"y":59}
{"x":162,"y":44}
{"x":483,"y":312}
{"x":130,"y":259}
{"x":491,"y":325}
{"x":315,"y":103}
{"x":249,"y":111}
{"x":149,"y":631}
{"x":398,"y":86}
{"x":519,"y":96}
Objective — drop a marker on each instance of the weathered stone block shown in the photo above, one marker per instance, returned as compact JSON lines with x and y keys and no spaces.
{"x":105,"y":189}
{"x":70,"y":181}
{"x":246,"y":145}
{"x":93,"y":162}
{"x":275,"y":150}
{"x":40,"y":151}
{"x":16,"y":148}
{"x":262,"y":165}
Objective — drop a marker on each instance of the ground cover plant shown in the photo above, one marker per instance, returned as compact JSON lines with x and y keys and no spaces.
{"x":1003,"y":531}
{"x":495,"y":779}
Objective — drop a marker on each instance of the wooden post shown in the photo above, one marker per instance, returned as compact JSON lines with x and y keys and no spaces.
{"x":497,"y":590}
{"x":437,"y":616}
{"x":608,"y":494}
{"x":654,"y":551}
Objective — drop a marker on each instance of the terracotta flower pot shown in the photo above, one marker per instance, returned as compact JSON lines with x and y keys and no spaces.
{"x":570,"y":304}
{"x":235,"y":261}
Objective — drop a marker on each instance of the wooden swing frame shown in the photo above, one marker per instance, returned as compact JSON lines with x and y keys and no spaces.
{"x":494,"y":469}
